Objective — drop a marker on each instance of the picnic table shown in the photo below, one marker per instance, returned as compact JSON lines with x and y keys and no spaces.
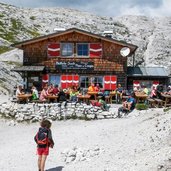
{"x":24,"y":97}
{"x":140,"y":97}
{"x":167,"y":99}
{"x":52,"y":98}
{"x":84,"y":98}
{"x":93,"y":93}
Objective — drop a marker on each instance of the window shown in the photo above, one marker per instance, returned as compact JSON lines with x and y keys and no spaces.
{"x":54,"y":79}
{"x":86,"y":81}
{"x":98,"y":80}
{"x":82,"y":49}
{"x":67,"y":49}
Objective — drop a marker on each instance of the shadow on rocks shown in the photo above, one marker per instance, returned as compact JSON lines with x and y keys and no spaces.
{"x":59,"y":168}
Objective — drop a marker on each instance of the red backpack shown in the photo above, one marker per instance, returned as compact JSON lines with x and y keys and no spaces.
{"x":41,"y":137}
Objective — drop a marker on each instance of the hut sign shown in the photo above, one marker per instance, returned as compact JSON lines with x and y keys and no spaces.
{"x":74,"y":65}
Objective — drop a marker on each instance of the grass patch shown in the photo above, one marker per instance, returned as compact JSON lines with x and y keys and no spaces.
{"x":1,"y":24}
{"x":10,"y":36}
{"x":13,"y":63}
{"x":34,"y":33}
{"x":4,"y":49}
{"x":141,"y":106}
{"x":16,"y":24}
{"x":2,"y":15}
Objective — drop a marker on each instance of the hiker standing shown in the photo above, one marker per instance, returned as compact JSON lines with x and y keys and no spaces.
{"x":44,"y":140}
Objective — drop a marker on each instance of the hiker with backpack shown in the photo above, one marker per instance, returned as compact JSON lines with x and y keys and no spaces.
{"x":44,"y":140}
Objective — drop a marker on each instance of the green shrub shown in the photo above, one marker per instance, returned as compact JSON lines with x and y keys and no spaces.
{"x":32,"y":18}
{"x":141,"y":106}
{"x":167,"y":109}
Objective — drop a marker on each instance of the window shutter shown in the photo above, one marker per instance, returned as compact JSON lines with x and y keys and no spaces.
{"x":53,"y":50}
{"x":136,"y":84}
{"x":75,"y":80}
{"x":95,"y":50}
{"x":155,"y":84}
{"x":107,"y":82}
{"x":64,"y":81}
{"x":113,"y":82}
{"x":45,"y":79}
{"x":69,"y":80}
{"x":110,"y":82}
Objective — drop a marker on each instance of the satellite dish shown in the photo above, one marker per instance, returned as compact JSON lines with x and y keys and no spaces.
{"x":125,"y":51}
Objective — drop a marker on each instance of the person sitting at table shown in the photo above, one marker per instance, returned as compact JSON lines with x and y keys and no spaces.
{"x":73,"y":94}
{"x":61,"y":95}
{"x":35,"y":94}
{"x":56,"y":90}
{"x":145,"y":90}
{"x":103,"y":104}
{"x":159,"y":90}
{"x":91,"y":88}
{"x":119,"y":91}
{"x":44,"y":94}
{"x":77,"y":87}
{"x":50,"y":89}
{"x":97,"y":88}
{"x":19,"y":91}
{"x":168,"y":91}
{"x":127,"y":105}
{"x":153,"y":93}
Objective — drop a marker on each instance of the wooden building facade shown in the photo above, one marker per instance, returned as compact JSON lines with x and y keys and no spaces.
{"x":72,"y":57}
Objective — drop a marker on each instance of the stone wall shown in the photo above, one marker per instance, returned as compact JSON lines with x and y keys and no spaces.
{"x":33,"y":112}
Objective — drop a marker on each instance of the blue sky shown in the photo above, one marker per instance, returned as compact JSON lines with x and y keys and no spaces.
{"x":103,"y":7}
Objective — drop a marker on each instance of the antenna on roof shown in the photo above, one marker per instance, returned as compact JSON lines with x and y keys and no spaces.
{"x":59,"y":29}
{"x":108,"y":33}
{"x":125,"y":51}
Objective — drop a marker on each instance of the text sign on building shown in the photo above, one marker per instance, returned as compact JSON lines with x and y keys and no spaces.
{"x":74,"y":65}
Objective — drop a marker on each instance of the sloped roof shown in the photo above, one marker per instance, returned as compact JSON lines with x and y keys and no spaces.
{"x":71,"y":30}
{"x":146,"y":71}
{"x":28,"y":68}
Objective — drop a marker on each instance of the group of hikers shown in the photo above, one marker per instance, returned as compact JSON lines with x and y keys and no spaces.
{"x":72,"y":93}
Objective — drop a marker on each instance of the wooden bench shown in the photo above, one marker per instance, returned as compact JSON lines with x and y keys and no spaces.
{"x":38,"y":101}
{"x":151,"y":102}
{"x":159,"y":102}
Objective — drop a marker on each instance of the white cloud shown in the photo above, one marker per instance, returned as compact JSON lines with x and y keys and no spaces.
{"x":104,"y":7}
{"x":162,"y":10}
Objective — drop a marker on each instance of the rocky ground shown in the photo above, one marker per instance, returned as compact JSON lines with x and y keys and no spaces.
{"x":140,"y":141}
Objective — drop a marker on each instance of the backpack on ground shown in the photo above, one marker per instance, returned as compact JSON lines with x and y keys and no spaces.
{"x":41,"y":137}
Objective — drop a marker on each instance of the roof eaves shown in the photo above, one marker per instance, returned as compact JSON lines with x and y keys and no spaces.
{"x":20,"y":44}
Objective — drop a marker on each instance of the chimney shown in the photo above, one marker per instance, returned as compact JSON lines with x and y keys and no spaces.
{"x":108,"y":33}
{"x":59,"y":29}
